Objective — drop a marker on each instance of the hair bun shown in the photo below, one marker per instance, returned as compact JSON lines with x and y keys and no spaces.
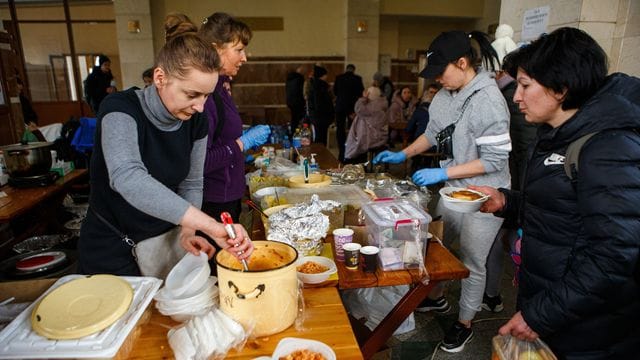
{"x":176,"y":24}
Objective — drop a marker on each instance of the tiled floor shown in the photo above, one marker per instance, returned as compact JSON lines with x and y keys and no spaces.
{"x":420,"y":343}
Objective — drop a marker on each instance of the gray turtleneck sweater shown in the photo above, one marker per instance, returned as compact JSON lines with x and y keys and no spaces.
{"x":128,"y":174}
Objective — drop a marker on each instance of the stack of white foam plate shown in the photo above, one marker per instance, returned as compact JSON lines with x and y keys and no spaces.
{"x":18,"y":340}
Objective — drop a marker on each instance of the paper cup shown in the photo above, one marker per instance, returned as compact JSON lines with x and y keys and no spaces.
{"x":340,"y":238}
{"x":351,"y":255}
{"x":370,"y":256}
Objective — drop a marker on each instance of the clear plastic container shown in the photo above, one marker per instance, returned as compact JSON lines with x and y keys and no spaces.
{"x":393,"y":225}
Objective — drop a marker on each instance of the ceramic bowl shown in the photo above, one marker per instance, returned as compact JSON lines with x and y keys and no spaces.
{"x":319,"y":277}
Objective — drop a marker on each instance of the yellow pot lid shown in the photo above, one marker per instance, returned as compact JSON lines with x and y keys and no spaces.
{"x":82,"y":307}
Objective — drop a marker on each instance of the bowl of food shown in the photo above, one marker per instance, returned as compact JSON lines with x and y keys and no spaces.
{"x":268,"y":191}
{"x":315,"y":269}
{"x":301,"y":349}
{"x":462,"y":199}
{"x":315,"y":181}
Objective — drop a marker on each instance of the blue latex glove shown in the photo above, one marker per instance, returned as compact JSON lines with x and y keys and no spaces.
{"x":390,"y":157}
{"x":255,"y":136}
{"x":429,"y":176}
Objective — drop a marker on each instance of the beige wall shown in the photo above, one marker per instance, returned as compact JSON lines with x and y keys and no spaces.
{"x":311,"y":27}
{"x":467,"y":8}
{"x":614,"y":24}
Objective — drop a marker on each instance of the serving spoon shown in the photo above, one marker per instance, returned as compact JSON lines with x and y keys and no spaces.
{"x":228,"y":225}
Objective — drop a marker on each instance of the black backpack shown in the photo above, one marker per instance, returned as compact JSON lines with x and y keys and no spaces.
{"x":571,"y":169}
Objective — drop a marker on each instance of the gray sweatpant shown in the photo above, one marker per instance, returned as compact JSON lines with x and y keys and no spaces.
{"x":476,"y":233}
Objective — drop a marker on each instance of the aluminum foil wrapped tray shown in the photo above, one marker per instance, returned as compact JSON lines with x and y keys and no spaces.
{"x":303,"y":225}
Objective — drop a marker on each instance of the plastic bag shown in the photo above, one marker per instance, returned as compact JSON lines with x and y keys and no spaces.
{"x":507,"y":347}
{"x":374,"y":304}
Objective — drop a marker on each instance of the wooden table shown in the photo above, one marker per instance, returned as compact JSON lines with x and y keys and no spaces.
{"x":325,"y":320}
{"x":441,"y":266}
{"x":32,"y":211}
{"x":440,"y":263}
{"x":21,"y":200}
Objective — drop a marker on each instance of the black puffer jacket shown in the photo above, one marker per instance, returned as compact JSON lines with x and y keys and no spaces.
{"x":580,"y":247}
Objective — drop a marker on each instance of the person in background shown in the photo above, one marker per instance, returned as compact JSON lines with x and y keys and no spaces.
{"x":28,"y":114}
{"x":385,"y":85}
{"x":294,"y":88}
{"x":522,"y":134}
{"x":369,"y":129}
{"x":224,"y":181}
{"x":420,"y":117}
{"x":347,"y":89}
{"x":98,"y":83}
{"x":147,"y":161}
{"x":419,"y":120}
{"x":320,"y":104}
{"x":579,"y":285}
{"x":469,"y":121}
{"x":400,"y":111}
{"x":147,"y":77}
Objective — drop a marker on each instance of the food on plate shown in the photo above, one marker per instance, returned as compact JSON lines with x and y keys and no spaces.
{"x":465,"y":195}
{"x":311,"y":267}
{"x":303,"y":355}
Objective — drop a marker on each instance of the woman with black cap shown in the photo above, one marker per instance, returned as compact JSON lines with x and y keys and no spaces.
{"x":470,"y":125}
{"x":99,"y":83}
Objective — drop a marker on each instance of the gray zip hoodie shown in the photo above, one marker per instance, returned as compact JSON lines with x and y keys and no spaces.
{"x":482,"y":132}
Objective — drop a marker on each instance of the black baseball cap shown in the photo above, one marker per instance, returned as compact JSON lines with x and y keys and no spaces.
{"x":444,"y":49}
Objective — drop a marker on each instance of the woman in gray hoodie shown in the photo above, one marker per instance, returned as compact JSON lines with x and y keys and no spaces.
{"x":470,"y":125}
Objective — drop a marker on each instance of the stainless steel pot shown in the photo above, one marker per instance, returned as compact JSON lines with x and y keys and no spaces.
{"x":25,"y":160}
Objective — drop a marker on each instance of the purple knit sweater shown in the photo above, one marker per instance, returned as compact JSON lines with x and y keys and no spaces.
{"x":224,"y":164}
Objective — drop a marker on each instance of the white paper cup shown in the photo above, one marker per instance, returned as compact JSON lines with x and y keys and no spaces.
{"x":341,"y":237}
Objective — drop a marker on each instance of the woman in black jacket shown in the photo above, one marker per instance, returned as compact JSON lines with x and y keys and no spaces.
{"x":580,"y":239}
{"x":320,"y":104}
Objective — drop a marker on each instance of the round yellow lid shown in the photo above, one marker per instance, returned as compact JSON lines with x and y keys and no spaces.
{"x":82,"y":307}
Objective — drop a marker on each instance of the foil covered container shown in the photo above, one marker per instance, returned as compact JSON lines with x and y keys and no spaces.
{"x":303,"y":225}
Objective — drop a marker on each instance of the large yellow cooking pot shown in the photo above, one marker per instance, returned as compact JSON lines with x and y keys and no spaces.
{"x":265,"y":298}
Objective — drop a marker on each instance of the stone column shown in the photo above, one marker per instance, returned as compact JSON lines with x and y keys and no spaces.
{"x":135,"y":47}
{"x":362,"y":46}
{"x":614,"y":24}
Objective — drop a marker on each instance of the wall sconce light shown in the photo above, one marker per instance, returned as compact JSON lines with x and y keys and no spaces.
{"x":361,"y":26}
{"x":133,"y":26}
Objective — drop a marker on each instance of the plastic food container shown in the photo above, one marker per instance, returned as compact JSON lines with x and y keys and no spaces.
{"x":392,"y":225}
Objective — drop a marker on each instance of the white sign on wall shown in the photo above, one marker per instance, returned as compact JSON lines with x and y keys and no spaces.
{"x":534,"y":22}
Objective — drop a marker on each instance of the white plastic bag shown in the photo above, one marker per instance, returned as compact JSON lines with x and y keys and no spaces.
{"x":374,"y":304}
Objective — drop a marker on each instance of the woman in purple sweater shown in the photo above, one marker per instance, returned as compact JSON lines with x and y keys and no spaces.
{"x":224,"y":181}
